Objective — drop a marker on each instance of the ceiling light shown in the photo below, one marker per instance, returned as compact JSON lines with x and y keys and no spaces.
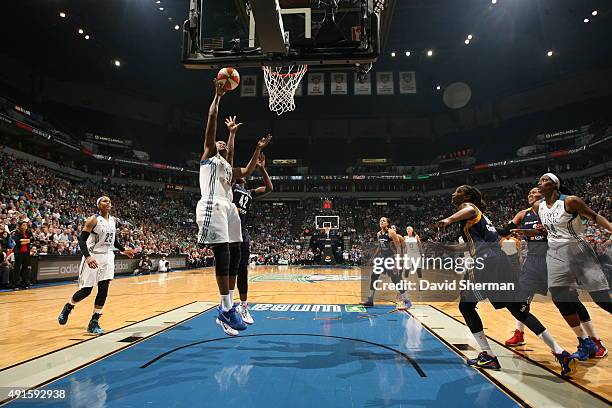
{"x":549,"y":53}
{"x":176,"y":27}
{"x":469,"y":37}
{"x":467,"y":42}
{"x":393,"y":54}
{"x":407,"y":53}
{"x":438,"y":87}
{"x":161,"y":9}
{"x":429,"y":53}
{"x":157,"y":2}
{"x":81,"y":31}
{"x":117,"y":63}
{"x":594,"y":13}
{"x":493,"y":1}
{"x":62,"y":14}
{"x":87,"y":37}
{"x":586,"y":20}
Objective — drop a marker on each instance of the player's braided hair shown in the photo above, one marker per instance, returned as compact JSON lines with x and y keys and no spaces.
{"x":475,"y":196}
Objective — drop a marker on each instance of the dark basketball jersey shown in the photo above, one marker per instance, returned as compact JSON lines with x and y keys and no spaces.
{"x":384,"y":240}
{"x":537,"y":246}
{"x":242,"y":200}
{"x":480,"y":235}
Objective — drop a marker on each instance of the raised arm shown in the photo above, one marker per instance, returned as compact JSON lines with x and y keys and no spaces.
{"x":232,"y":126}
{"x":210,"y":136}
{"x":267,"y":188}
{"x":241,"y":172}
{"x":576,"y":205}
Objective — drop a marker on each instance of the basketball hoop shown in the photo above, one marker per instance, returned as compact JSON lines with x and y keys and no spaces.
{"x":282,"y":82}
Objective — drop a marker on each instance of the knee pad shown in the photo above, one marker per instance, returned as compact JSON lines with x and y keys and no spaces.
{"x":602,"y":298}
{"x":102,"y":293}
{"x":235,"y":255}
{"x":566,"y":300}
{"x":81,"y":294}
{"x":222,"y":259}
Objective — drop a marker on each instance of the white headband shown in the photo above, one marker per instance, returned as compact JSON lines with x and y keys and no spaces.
{"x":554,"y":178}
{"x":98,"y":201}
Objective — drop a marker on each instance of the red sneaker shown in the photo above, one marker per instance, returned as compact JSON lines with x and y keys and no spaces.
{"x":516,"y":340}
{"x":602,"y":352}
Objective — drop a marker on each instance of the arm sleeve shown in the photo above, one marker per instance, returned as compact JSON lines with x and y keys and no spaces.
{"x":118,"y":245}
{"x":83,"y":243}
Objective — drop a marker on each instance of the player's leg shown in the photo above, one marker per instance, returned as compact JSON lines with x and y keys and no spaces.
{"x":486,"y":358}
{"x":94,"y":325}
{"x":396,"y":278}
{"x":589,"y":328}
{"x":243,"y":281}
{"x":521,"y":312}
{"x":373,"y":279}
{"x":86,"y":282}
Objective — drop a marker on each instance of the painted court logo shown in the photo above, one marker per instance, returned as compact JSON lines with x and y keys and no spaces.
{"x":268,"y":307}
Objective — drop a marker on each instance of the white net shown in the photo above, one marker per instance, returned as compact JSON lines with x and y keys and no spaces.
{"x":282,"y":82}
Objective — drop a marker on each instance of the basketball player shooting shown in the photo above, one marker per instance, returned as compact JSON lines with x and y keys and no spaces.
{"x":216,"y":215}
{"x":97,"y":240}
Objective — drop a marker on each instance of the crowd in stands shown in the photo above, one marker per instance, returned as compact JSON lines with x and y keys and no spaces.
{"x":151,"y":221}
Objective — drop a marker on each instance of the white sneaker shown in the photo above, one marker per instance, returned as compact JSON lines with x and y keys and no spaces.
{"x":226,"y":328}
{"x":245,"y":313}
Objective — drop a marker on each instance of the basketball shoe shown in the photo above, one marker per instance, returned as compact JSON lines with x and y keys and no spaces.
{"x":245,"y":313}
{"x":517,"y":339}
{"x":602,"y":352}
{"x":230,"y":321}
{"x":94,"y":327}
{"x":484,"y":360}
{"x":568,"y":363}
{"x":586,"y":348}
{"x":63,"y":316}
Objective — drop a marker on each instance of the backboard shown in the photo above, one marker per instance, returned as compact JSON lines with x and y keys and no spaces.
{"x":327,"y":221}
{"x":254,"y":33}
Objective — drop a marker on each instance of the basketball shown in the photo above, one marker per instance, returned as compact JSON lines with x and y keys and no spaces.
{"x":229,"y":77}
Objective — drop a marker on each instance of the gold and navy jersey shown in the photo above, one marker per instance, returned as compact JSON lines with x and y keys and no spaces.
{"x":536,"y":246}
{"x":480,"y":235}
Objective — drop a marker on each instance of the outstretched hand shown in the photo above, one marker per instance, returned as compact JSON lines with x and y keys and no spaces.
{"x":261,"y":161}
{"x":442,"y":224}
{"x":219,"y":88}
{"x":264,"y":141}
{"x":231,"y":124}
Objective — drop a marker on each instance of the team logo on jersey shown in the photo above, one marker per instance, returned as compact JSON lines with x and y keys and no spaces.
{"x":315,"y":278}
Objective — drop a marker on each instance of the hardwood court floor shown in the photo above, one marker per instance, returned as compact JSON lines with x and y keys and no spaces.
{"x":29,"y":328}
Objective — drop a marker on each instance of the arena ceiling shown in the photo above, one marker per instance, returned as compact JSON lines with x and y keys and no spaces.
{"x":508,"y":49}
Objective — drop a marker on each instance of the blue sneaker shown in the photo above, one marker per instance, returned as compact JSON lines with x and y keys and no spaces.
{"x":94,"y":327}
{"x":230,"y":321}
{"x":568,"y":363}
{"x":586,"y":348}
{"x":406,"y":304}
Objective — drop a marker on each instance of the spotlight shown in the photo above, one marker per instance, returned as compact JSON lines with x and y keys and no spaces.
{"x":493,"y":1}
{"x":438,"y":88}
{"x":81,"y":31}
{"x":469,"y":37}
{"x":407,"y":53}
{"x":467,"y":42}
{"x":87,"y":37}
{"x":157,"y":2}
{"x":594,"y":13}
{"x":62,"y":14}
{"x":161,"y":9}
{"x":549,"y":53}
{"x":117,"y":63}
{"x":586,"y":20}
{"x":393,"y":54}
{"x":176,"y":27}
{"x":429,"y":53}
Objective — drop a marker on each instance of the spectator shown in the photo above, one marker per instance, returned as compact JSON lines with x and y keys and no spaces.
{"x":5,"y":270}
{"x":23,"y":244}
{"x":144,"y":266}
{"x":164,"y":265}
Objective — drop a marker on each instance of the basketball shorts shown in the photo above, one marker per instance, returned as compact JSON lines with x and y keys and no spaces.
{"x":534,"y":275}
{"x":575,"y":262}
{"x":218,"y":221}
{"x":89,"y":278}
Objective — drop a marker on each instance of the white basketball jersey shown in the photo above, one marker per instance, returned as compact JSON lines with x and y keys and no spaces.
{"x":102,"y":238}
{"x":412,"y":245}
{"x":562,"y":227}
{"x":216,"y":178}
